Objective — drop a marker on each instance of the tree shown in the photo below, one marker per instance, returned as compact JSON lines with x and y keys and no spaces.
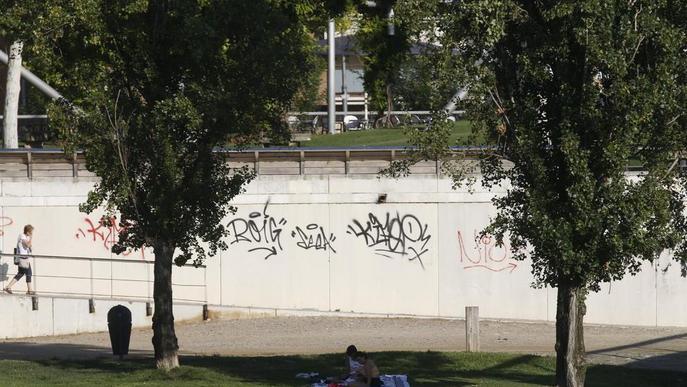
{"x":17,"y":27}
{"x":388,"y":53}
{"x":154,"y":87}
{"x":570,"y":93}
{"x":12,"y":89}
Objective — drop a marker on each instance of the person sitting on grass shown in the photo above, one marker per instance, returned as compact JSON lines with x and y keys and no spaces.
{"x":353,"y":368}
{"x":369,"y":375}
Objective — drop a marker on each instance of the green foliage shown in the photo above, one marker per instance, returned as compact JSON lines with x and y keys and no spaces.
{"x":571,"y":92}
{"x":154,"y":87}
{"x":579,"y":90}
{"x":385,"y":53}
{"x":423,"y":81}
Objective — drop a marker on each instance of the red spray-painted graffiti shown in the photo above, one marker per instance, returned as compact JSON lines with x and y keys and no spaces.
{"x":488,"y":255}
{"x":4,"y":222}
{"x":103,"y":231}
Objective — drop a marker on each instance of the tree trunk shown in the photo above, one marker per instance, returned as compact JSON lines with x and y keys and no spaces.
{"x":570,"y":362}
{"x":164,"y":337}
{"x":12,"y":89}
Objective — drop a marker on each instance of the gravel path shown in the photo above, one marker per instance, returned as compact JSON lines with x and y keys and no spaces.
{"x":663,"y":348}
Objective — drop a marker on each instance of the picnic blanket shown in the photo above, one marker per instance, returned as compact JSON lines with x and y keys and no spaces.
{"x":388,"y":380}
{"x":395,"y":380}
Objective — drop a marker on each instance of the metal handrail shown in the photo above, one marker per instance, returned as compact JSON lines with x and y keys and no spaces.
{"x":361,"y":149}
{"x":78,"y":258}
{"x":339,"y":150}
{"x":110,"y":279}
{"x":106,"y":297}
{"x":92,"y":294}
{"x":359,"y":113}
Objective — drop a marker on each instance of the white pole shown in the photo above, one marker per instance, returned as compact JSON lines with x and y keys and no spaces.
{"x":33,"y":79}
{"x":12,"y":90}
{"x":391,"y":28}
{"x":457,"y":97}
{"x":344,"y":88}
{"x":367,"y":116}
{"x":331,"y":103}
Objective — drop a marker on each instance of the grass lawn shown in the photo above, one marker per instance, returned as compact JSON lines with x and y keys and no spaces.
{"x":381,"y":137}
{"x":424,"y":368}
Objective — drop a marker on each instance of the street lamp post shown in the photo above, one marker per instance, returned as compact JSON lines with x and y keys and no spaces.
{"x":331,"y":106}
{"x":344,"y":88}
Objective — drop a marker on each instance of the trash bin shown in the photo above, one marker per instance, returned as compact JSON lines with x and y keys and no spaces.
{"x":119,"y":325}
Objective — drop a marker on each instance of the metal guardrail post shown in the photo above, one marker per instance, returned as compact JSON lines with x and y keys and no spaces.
{"x":75,"y":166}
{"x":347,"y":163}
{"x":34,"y":270}
{"x":220,"y":277}
{"x":29,"y":165}
{"x":34,"y":298}
{"x":301,"y":163}
{"x":205,"y":283}
{"x":91,"y":303}
{"x":206,"y":312}
{"x":148,"y":282}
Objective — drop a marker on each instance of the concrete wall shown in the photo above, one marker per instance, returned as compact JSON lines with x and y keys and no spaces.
{"x":323,"y":243}
{"x":62,"y":316}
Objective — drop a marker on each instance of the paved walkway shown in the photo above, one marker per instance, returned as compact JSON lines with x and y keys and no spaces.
{"x":660,"y":348}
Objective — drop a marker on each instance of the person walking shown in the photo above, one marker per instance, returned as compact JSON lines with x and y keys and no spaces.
{"x":24,"y":245}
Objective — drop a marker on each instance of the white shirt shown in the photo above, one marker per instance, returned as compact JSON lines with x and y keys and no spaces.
{"x":356,"y":367}
{"x":21,"y":248}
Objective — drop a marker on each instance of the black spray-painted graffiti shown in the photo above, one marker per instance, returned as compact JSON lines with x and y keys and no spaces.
{"x":265,"y":231}
{"x":399,"y":235}
{"x":260,"y":228}
{"x":313,"y":237}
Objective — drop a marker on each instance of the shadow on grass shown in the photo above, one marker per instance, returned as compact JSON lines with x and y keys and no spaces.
{"x":607,"y":375}
{"x":19,"y":350}
{"x":674,"y":355}
{"x":423,"y":369}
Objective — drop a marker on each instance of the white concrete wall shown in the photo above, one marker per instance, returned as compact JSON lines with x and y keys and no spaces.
{"x":320,"y":243}
{"x":61,"y":316}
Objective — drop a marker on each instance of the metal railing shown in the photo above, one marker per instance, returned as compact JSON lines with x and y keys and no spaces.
{"x":95,"y":292}
{"x":33,"y":129}
{"x":315,"y":121}
{"x":293,"y":160}
{"x":304,"y":160}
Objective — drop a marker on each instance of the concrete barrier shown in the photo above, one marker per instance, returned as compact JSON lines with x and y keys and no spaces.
{"x":321,"y":243}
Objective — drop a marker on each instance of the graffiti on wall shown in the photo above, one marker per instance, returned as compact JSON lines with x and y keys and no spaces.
{"x":393,"y":235}
{"x":485,"y":254}
{"x":390,"y":236}
{"x":259,"y":228}
{"x":313,"y":237}
{"x":265,"y":232}
{"x":4,"y":222}
{"x":104,"y":231}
